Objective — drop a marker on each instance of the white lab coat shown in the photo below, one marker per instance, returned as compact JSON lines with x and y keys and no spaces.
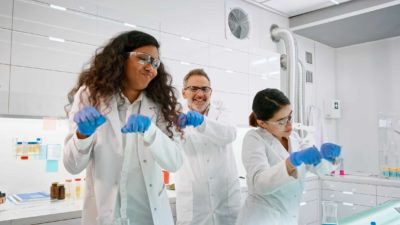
{"x":104,"y":157}
{"x":207,"y":185}
{"x":273,"y":195}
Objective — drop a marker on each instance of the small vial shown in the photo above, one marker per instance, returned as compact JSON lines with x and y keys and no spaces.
{"x":78,"y":188}
{"x":341,"y":167}
{"x":68,"y":189}
{"x":386,"y":171}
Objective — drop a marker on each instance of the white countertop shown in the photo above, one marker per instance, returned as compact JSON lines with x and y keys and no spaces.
{"x":36,"y":212}
{"x":362,"y":178}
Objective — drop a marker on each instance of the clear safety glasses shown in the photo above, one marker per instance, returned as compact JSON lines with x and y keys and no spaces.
{"x":145,"y":59}
{"x":196,"y":89}
{"x":282,"y":122}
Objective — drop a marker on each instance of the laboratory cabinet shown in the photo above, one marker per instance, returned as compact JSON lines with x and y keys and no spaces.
{"x":309,"y":205}
{"x":38,"y":92}
{"x":350,"y":197}
{"x":386,"y":193}
{"x":39,"y":18}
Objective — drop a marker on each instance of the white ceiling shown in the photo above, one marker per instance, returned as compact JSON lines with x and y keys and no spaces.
{"x":291,"y":8}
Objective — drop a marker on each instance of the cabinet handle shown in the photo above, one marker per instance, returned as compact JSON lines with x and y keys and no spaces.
{"x":347,"y":204}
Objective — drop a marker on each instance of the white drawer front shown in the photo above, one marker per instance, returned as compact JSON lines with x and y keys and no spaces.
{"x":349,"y":187}
{"x":345,"y":210}
{"x":308,"y":212}
{"x":380,"y":200}
{"x":310,"y":195}
{"x":384,"y":191}
{"x":310,"y":185}
{"x":359,"y":199}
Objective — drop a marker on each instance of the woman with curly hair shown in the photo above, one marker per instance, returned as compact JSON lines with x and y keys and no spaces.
{"x":123,"y":120}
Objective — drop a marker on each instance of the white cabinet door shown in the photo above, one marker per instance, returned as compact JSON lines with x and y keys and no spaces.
{"x":39,"y":18}
{"x":4,"y":88}
{"x":38,"y":92}
{"x":309,"y":212}
{"x":37,"y":51}
{"x":345,"y":209}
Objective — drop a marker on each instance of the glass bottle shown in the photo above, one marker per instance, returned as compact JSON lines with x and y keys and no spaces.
{"x":68,"y":189}
{"x":77,"y":188}
{"x":54,"y":191}
{"x":61,"y":192}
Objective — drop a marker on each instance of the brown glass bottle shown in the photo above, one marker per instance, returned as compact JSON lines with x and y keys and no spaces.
{"x":54,"y":190}
{"x":61,"y":192}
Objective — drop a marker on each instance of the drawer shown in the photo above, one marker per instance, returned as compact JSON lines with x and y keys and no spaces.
{"x":349,"y":187}
{"x":393,"y":192}
{"x":310,"y":185}
{"x":381,"y":200}
{"x":309,"y":212}
{"x":346,"y":209}
{"x":353,"y":198}
{"x":310,"y":195}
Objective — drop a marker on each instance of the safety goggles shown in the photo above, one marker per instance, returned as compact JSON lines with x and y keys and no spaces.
{"x":282,"y":122}
{"x":145,"y":59}
{"x":196,"y":89}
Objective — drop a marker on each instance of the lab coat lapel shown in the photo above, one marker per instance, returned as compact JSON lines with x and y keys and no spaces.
{"x":148,"y":108}
{"x":113,"y":116}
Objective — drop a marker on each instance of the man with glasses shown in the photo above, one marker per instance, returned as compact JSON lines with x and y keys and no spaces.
{"x":207,"y":185}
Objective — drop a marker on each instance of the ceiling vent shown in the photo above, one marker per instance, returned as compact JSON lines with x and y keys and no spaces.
{"x":237,"y":22}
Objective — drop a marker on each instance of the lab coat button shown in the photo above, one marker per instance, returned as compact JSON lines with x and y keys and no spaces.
{"x":155,"y":209}
{"x":151,"y":185}
{"x":145,"y":161}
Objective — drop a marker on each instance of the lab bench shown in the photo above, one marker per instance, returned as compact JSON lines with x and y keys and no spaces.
{"x":61,"y":212}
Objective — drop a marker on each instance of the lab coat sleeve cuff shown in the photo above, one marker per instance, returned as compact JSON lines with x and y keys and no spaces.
{"x":83,"y":145}
{"x":202,"y":126}
{"x":150,"y":134}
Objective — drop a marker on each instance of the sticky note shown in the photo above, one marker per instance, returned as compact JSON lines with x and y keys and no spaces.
{"x":51,"y":166}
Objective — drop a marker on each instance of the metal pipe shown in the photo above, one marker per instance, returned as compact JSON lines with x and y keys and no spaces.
{"x":301,"y":96}
{"x":278,"y":34}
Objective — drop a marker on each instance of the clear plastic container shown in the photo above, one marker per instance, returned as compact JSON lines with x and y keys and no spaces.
{"x":68,"y":189}
{"x":329,"y":213}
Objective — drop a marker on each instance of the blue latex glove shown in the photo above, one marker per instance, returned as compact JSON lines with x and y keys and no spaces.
{"x":192,"y":118}
{"x":309,"y":156}
{"x":88,"y":119}
{"x":136,"y":123}
{"x":182,"y":120}
{"x":330,"y":151}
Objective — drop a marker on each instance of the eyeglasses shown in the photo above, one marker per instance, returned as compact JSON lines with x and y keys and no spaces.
{"x":145,"y":59}
{"x":282,"y":122}
{"x":196,"y":89}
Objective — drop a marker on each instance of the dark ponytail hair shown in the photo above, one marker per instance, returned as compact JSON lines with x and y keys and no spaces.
{"x":265,"y":104}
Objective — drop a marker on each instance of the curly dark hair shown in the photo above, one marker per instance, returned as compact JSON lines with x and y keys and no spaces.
{"x":106,"y":74}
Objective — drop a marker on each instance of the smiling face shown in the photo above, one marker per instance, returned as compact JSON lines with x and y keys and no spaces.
{"x":197,"y":93}
{"x":138,"y":72}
